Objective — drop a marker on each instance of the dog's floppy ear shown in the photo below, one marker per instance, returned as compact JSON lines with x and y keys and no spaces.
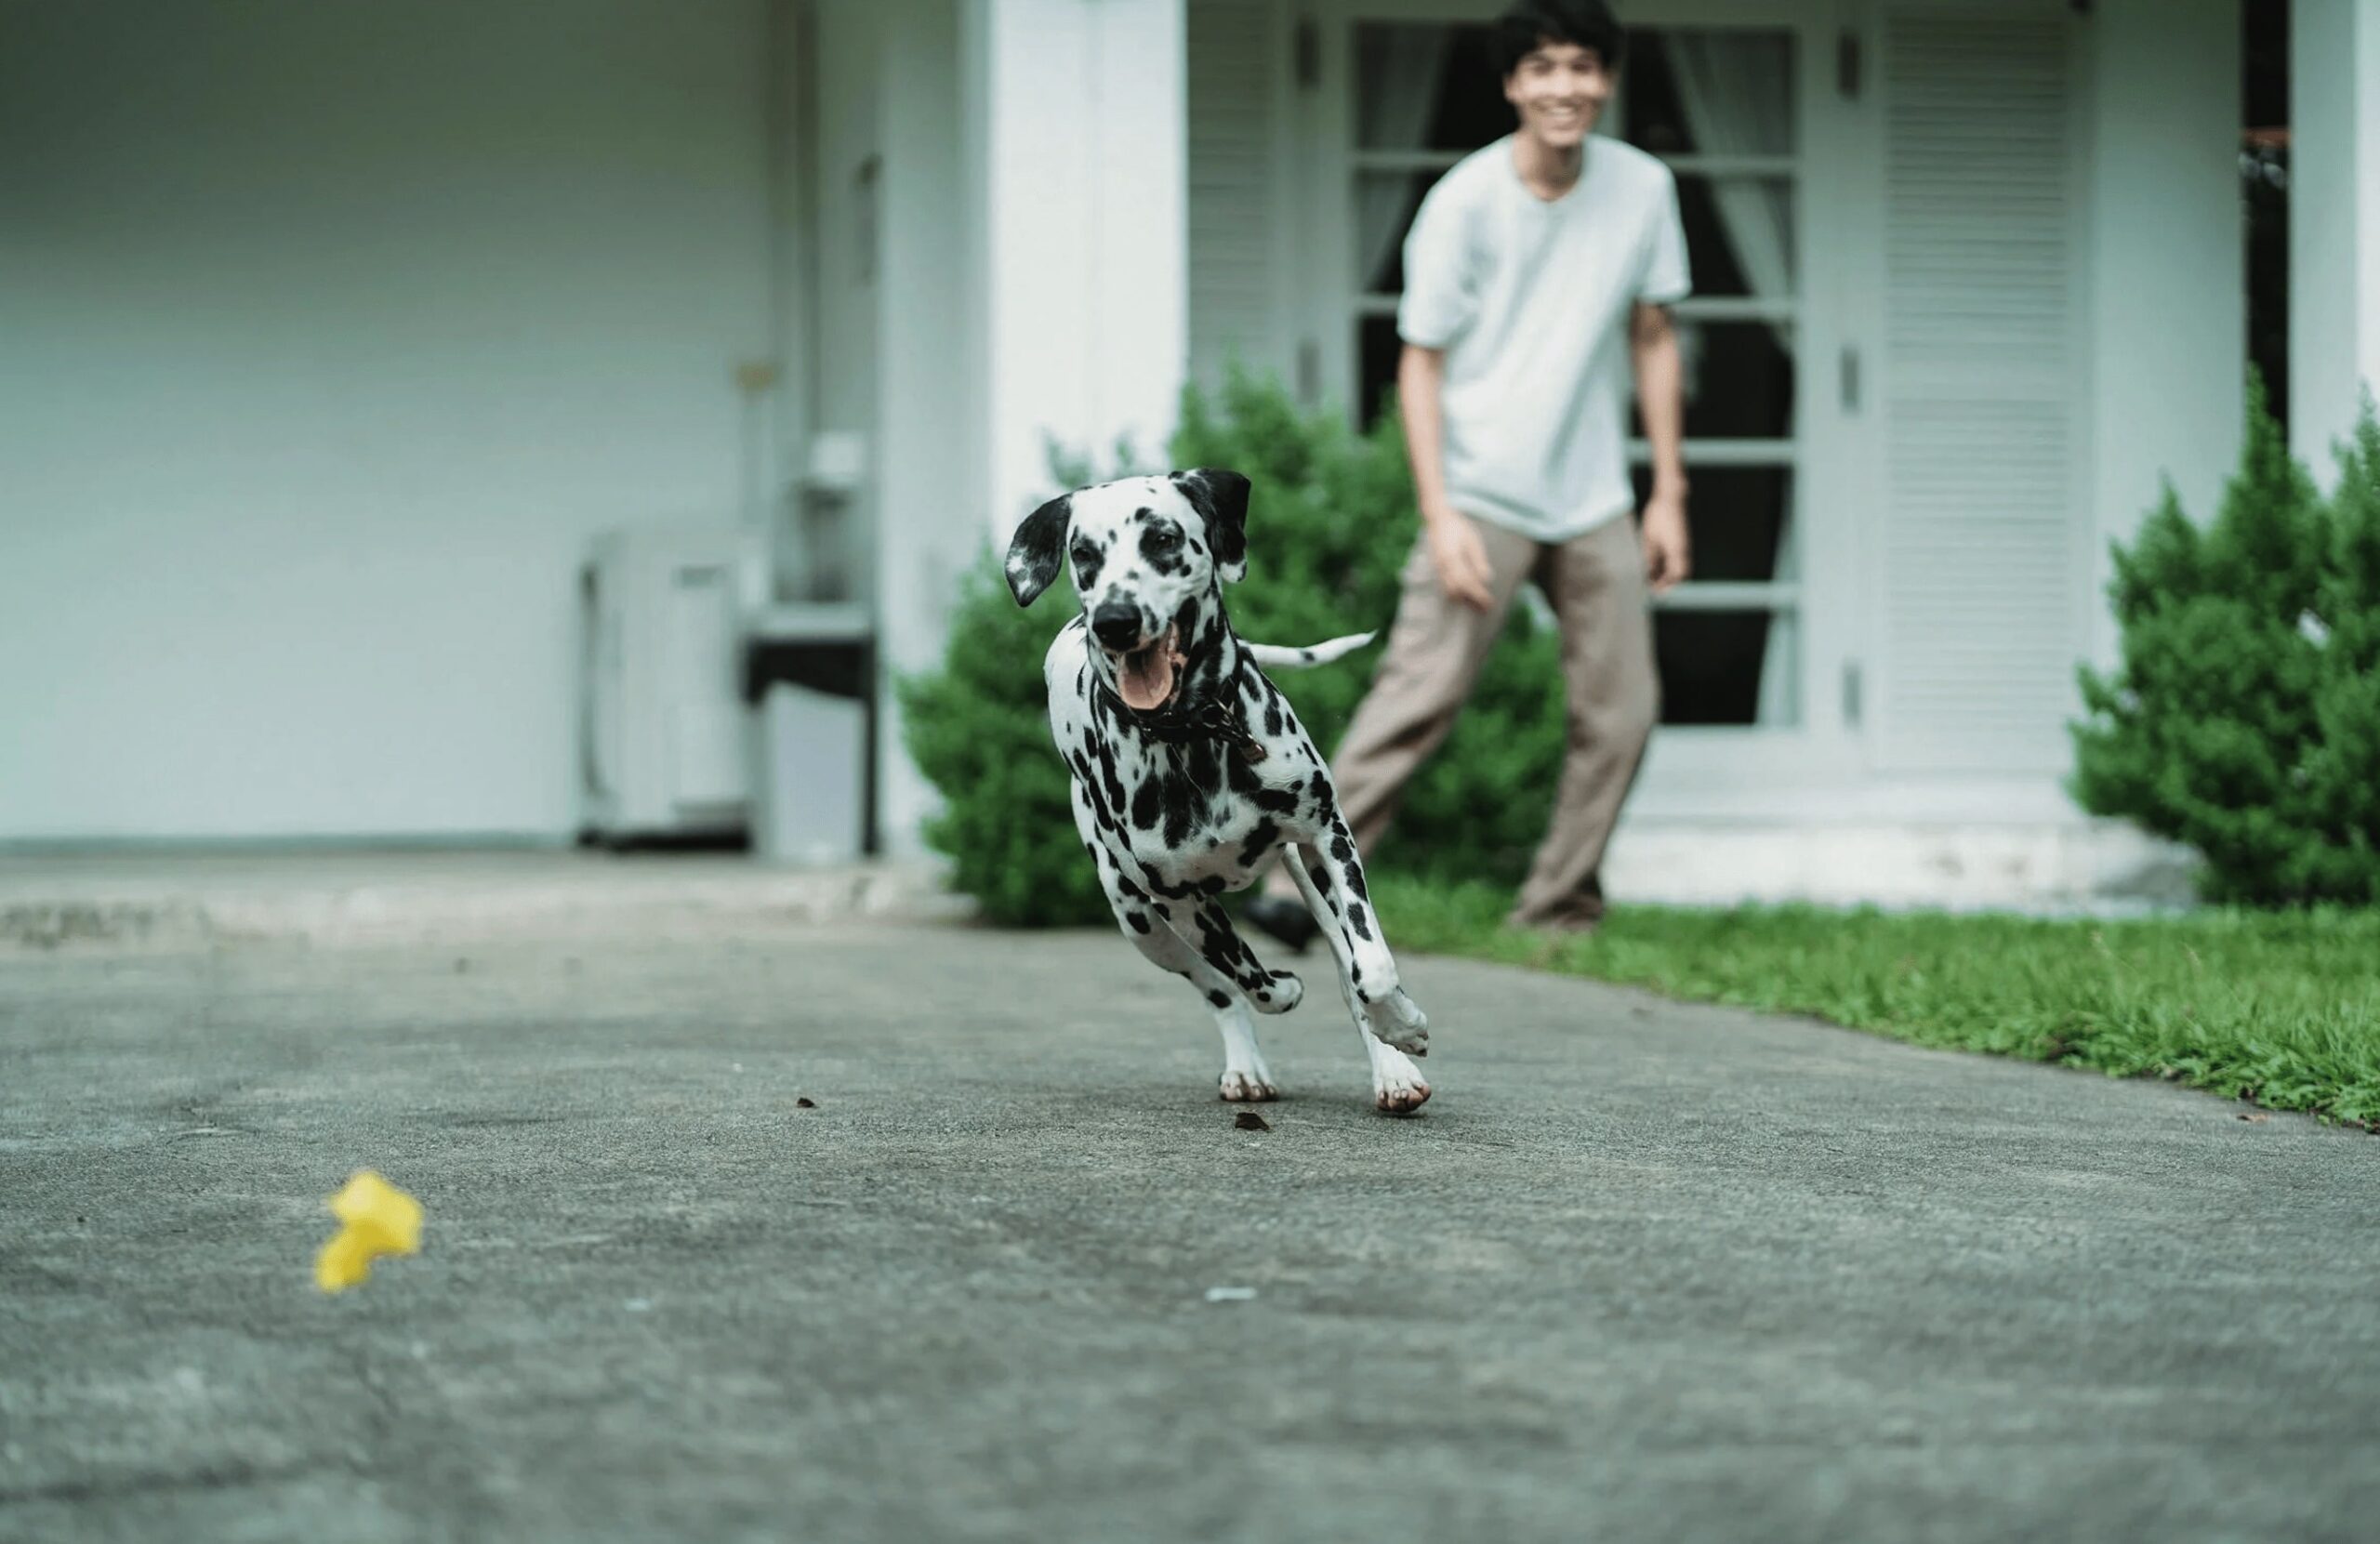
{"x":1039,"y":546}
{"x":1222,"y":497}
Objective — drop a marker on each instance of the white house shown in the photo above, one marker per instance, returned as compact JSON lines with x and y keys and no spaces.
{"x":332,"y":333}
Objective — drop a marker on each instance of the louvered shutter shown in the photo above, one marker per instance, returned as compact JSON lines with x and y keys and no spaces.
{"x":1983,"y":606}
{"x":1235,"y":64}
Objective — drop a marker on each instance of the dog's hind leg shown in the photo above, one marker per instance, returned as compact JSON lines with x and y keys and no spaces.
{"x":1219,"y":944}
{"x":1397,"y":1085}
{"x":1245,"y":1077}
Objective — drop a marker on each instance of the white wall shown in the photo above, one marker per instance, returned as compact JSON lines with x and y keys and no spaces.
{"x":2333,"y":222}
{"x":2169,"y":284}
{"x":331,"y":332}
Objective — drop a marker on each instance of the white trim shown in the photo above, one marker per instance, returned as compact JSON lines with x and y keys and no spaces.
{"x":1726,"y":453}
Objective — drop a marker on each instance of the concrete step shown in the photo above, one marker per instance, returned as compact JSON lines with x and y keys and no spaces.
{"x":178,"y":898}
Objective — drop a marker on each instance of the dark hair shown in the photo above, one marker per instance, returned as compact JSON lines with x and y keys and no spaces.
{"x":1588,"y":23}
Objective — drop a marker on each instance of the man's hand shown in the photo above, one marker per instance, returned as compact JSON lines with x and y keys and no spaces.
{"x":1462,"y":561}
{"x":1668,"y":552}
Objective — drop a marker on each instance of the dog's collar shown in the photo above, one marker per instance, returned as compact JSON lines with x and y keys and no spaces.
{"x":1215,"y":722}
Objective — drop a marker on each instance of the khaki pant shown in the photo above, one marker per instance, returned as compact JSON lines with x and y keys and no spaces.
{"x":1597,"y":584}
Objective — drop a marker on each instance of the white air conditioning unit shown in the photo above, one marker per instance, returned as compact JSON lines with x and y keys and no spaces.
{"x":664,"y":735}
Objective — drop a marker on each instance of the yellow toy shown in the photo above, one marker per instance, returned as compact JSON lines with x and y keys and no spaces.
{"x":375,"y":1219}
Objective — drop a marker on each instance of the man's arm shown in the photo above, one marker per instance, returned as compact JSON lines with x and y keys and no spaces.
{"x":1660,"y":397}
{"x":1455,"y":547}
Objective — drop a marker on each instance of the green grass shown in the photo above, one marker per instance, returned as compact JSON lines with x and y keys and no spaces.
{"x":2283,"y":1008}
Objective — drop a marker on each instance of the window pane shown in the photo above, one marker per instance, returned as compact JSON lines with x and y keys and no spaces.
{"x":1426,"y":87}
{"x":1739,"y":380}
{"x":1696,"y":91}
{"x":1378,"y":347}
{"x":1385,"y":204}
{"x":1739,"y":520}
{"x":1725,"y":666}
{"x":1739,"y":234}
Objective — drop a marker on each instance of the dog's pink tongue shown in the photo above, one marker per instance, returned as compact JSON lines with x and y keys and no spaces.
{"x":1146,"y":680}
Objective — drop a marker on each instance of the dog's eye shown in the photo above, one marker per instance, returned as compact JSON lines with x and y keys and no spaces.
{"x":1166,"y":539}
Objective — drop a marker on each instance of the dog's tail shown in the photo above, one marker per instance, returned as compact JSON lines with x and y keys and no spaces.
{"x":1274,"y":656}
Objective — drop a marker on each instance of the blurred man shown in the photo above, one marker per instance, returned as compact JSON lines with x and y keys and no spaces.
{"x":1539,"y":272}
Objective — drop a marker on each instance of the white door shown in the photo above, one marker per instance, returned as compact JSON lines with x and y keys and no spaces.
{"x":1742,"y":99}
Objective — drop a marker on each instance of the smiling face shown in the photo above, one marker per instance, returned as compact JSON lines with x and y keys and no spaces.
{"x":1559,"y":89}
{"x":1147,"y":553}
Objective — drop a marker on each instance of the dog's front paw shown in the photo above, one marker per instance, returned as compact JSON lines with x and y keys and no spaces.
{"x":1252,"y":1088}
{"x":1397,"y":1086}
{"x":1280,"y":993}
{"x":1396,"y":1020}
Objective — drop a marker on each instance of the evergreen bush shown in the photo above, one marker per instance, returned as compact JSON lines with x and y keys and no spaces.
{"x":2244,"y":716}
{"x":1331,"y":523}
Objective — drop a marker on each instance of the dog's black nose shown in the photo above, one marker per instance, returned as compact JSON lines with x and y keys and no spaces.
{"x":1116,"y":625}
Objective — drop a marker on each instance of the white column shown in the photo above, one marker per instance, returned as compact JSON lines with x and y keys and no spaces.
{"x":1085,"y":280}
{"x":2168,"y":293}
{"x":929,"y":473}
{"x":2333,"y":221}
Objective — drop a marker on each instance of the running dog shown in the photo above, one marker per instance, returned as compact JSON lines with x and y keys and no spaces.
{"x":1191,"y":773}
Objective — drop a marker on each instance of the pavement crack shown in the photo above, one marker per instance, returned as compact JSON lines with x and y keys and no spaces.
{"x":223,"y":1476}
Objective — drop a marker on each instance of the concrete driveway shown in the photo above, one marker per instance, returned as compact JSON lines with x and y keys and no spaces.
{"x":1641,"y":1271}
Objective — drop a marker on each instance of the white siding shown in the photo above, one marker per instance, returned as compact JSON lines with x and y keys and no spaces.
{"x":1983,"y":387}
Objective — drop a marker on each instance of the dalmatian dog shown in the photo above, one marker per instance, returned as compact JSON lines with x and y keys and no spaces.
{"x":1192,"y":774}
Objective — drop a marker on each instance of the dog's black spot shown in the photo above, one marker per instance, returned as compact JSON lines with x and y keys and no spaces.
{"x":1184,"y":802}
{"x":1259,"y":841}
{"x":1275,"y":801}
{"x":1140,"y":924}
{"x":1356,"y":881}
{"x":1113,"y":783}
{"x":1342,"y":846}
{"x":1359,"y":920}
{"x":1355,"y":973}
{"x":1319,"y":788}
{"x":1219,"y":999}
{"x":1161,"y":547}
{"x":1273,"y":719}
{"x":1147,"y":805}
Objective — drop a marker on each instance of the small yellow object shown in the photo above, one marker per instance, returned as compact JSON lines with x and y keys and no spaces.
{"x":375,"y":1219}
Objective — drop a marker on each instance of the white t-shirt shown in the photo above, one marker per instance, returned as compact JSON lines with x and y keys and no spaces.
{"x":1530,"y":301}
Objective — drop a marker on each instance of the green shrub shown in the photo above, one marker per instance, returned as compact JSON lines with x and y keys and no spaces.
{"x":2243,"y":718}
{"x":1330,"y":525}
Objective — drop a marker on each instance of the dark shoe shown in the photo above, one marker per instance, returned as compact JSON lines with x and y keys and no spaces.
{"x":1287,"y":922}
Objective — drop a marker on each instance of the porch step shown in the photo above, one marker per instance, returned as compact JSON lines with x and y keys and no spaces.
{"x":2094,"y":867}
{"x":167,"y":899}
